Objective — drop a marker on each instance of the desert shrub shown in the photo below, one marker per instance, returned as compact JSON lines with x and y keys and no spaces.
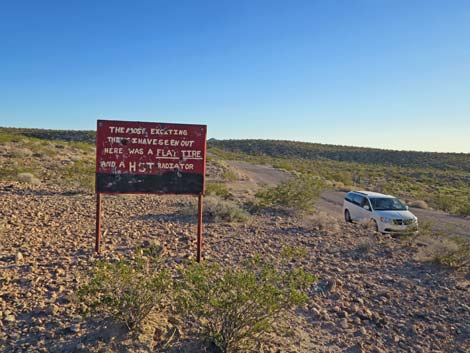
{"x":448,"y":251}
{"x":127,"y":290}
{"x":464,"y":210}
{"x":28,"y":178}
{"x":321,"y":221}
{"x":341,"y":176}
{"x":232,"y":308}
{"x":419,"y":204}
{"x":80,"y":173}
{"x":218,"y":189}
{"x":215,"y":209}
{"x":283,"y":165}
{"x":443,"y":202}
{"x":229,"y":175}
{"x":300,"y":193}
{"x":293,"y":252}
{"x":21,"y":152}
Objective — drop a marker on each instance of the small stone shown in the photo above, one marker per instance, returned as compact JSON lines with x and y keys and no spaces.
{"x":52,"y":310}
{"x":316,"y":312}
{"x":344,"y":324}
{"x":331,"y":286}
{"x":75,"y":328}
{"x":19,"y":257}
{"x":10,"y":318}
{"x":360,"y":301}
{"x":81,"y":346}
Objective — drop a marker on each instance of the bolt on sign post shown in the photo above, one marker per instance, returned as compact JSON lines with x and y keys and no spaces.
{"x":150,"y":158}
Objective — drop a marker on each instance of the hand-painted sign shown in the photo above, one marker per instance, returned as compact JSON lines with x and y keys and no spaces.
{"x":141,"y":157}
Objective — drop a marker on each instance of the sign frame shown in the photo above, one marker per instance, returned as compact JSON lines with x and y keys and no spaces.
{"x":151,"y":176}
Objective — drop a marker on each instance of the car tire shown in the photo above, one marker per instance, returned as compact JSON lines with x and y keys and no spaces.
{"x":347,"y":216}
{"x":375,"y":226}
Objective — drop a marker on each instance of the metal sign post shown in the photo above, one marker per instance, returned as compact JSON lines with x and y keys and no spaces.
{"x":98,"y":223}
{"x":150,"y":158}
{"x":199,"y":228}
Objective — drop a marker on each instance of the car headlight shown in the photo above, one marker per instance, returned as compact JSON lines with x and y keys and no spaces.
{"x":385,"y":220}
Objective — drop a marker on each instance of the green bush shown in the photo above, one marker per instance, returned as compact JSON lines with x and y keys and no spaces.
{"x":443,"y":202}
{"x":229,"y":175}
{"x":218,"y":189}
{"x":216,"y":210}
{"x":300,"y":193}
{"x":81,"y":173}
{"x":233,"y":308}
{"x":464,"y":210}
{"x":127,"y":290}
{"x":283,"y":165}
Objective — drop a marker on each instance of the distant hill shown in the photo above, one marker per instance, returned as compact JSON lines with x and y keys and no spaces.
{"x":293,"y":149}
{"x":46,"y":134}
{"x":316,"y":151}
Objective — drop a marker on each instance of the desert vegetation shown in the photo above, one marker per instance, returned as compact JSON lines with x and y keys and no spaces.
{"x":36,"y":160}
{"x":439,"y":180}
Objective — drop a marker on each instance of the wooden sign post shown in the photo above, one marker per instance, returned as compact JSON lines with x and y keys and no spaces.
{"x":150,"y":158}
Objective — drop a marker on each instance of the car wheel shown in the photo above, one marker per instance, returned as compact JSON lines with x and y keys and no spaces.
{"x":347,"y":216}
{"x":375,"y":226}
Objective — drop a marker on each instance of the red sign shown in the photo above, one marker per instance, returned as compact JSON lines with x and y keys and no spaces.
{"x":141,"y":157}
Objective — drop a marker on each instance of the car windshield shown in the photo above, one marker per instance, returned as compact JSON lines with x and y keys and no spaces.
{"x":387,"y":204}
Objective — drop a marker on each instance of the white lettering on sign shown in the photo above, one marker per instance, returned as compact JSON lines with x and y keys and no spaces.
{"x":175,"y":132}
{"x":136,"y":151}
{"x":166,"y":153}
{"x":113,"y":150}
{"x":141,"y":148}
{"x":116,"y":129}
{"x":108,"y":164}
{"x":191,"y":154}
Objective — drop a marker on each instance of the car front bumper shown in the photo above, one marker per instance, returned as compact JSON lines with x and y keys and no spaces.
{"x":395,"y":228}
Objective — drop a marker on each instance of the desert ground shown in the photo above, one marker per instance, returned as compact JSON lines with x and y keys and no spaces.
{"x":373,"y":293}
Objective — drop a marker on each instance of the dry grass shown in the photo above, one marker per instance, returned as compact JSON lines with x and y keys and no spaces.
{"x":452,"y":252}
{"x":419,"y":204}
{"x":321,"y":221}
{"x":366,"y":245}
{"x":28,"y":178}
{"x":218,"y":210}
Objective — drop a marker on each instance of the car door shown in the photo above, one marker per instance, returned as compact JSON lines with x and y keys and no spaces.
{"x":366,"y":210}
{"x":356,"y":210}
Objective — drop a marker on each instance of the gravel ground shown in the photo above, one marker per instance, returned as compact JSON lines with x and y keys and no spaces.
{"x":372,"y":296}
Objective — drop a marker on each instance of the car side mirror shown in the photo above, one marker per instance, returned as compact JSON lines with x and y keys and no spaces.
{"x":407,"y":208}
{"x":367,"y":207}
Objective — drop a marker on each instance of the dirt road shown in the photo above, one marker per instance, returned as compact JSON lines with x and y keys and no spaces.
{"x":331,"y":201}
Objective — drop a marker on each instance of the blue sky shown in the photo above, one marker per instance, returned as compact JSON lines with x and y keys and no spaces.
{"x":378,"y":73}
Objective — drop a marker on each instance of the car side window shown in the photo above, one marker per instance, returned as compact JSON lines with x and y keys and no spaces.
{"x":358,"y":199}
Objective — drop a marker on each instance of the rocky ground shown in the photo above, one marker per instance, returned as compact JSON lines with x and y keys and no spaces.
{"x":372,"y":296}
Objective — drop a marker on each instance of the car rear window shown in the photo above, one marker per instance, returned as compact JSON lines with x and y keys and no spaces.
{"x":349,"y":197}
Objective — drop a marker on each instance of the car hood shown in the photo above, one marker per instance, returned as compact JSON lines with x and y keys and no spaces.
{"x":396,"y":214}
